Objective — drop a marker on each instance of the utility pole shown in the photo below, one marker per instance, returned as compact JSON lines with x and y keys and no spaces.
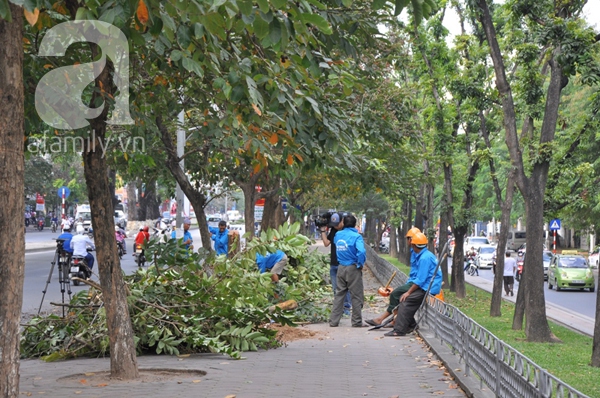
{"x":179,"y":197}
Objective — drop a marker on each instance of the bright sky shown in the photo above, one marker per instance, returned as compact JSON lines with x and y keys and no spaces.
{"x":591,"y":12}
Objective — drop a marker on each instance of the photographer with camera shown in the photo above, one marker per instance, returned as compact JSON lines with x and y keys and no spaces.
{"x":335,"y":222}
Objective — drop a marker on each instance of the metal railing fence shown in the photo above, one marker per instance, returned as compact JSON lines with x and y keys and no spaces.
{"x":506,"y":372}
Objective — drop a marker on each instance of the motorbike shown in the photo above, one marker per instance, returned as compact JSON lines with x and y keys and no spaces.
{"x":40,"y":224}
{"x":54,"y":226}
{"x":520,"y":262}
{"x":471,"y":267}
{"x":140,"y":258}
{"x":79,"y":268}
{"x":120,"y":249}
{"x":383,"y":248}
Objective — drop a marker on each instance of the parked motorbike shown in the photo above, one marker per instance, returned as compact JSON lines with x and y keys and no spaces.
{"x":79,"y":268}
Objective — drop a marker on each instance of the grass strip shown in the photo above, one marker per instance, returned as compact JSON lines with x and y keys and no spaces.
{"x":569,"y":361}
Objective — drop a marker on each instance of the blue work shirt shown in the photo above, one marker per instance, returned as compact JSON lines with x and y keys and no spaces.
{"x":412,"y":275}
{"x":67,"y":236}
{"x":350,"y":247}
{"x":221,"y":240}
{"x":187,"y":235}
{"x":426,"y":264}
{"x":267,"y":262}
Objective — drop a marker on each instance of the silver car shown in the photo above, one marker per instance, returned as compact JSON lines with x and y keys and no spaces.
{"x":486,"y":254}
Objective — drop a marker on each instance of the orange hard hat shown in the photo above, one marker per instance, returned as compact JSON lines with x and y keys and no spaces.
{"x":419,"y":239}
{"x":411,"y":232}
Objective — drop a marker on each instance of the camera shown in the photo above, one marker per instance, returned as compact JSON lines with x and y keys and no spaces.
{"x":322,"y":220}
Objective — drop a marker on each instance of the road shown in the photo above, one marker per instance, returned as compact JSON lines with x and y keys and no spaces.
{"x":583,"y":303}
{"x":37,"y":269}
{"x":38,"y":266}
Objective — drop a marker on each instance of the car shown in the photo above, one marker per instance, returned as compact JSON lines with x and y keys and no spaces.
{"x":570,"y":271}
{"x":214,"y":220}
{"x":593,"y":257}
{"x":120,"y":219}
{"x":486,"y":255}
{"x":474,"y":241}
{"x":546,"y":259}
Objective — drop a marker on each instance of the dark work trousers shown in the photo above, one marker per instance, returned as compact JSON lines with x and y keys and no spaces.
{"x":395,"y":296}
{"x":349,"y":279}
{"x":405,"y":320}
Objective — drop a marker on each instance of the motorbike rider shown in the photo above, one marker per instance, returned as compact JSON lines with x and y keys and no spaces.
{"x":471,"y":255}
{"x":54,"y":220}
{"x":66,"y":236}
{"x":79,"y":244}
{"x":142,"y":237}
{"x":120,"y":236}
{"x":79,"y":225}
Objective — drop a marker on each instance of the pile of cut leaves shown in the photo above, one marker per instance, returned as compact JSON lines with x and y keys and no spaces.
{"x":185,"y":303}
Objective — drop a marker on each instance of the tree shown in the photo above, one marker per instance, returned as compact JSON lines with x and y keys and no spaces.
{"x":564,"y":49}
{"x":12,"y":238}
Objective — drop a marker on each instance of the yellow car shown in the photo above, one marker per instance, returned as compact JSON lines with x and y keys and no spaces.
{"x":570,"y":271}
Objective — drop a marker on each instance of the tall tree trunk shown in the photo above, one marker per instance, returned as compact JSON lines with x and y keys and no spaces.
{"x":123,"y":361}
{"x":112,"y":183}
{"x":532,"y":188}
{"x":273,"y":212}
{"x":131,"y":202}
{"x":152,"y":203}
{"x":248,"y":187}
{"x":457,"y":283}
{"x":141,"y":210}
{"x":443,"y":242}
{"x":12,"y":206}
{"x":393,"y":236}
{"x":197,"y":199}
{"x":495,"y":306}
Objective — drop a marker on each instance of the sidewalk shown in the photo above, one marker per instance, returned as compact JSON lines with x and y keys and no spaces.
{"x":334,"y":362}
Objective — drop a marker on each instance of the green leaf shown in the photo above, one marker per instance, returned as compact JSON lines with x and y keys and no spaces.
{"x":263,"y":5}
{"x":5,"y":10}
{"x":261,"y":28}
{"x":183,"y":36}
{"x":275,"y":31}
{"x":245,"y":7}
{"x":279,"y":3}
{"x":400,"y":5}
{"x":378,"y":4}
{"x":193,"y":66}
{"x":168,"y":21}
{"x":348,"y":3}
{"x":318,"y":21}
{"x":176,"y":55}
{"x":108,"y":16}
{"x":215,"y":24}
{"x":217,"y":4}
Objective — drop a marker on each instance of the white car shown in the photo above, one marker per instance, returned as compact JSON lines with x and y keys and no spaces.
{"x":475,"y":242}
{"x":486,"y":254}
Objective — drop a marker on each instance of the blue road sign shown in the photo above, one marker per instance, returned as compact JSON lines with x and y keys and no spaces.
{"x":555,"y":225}
{"x":64,"y":190}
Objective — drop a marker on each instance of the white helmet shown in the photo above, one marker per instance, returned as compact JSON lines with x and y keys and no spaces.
{"x":117,"y":228}
{"x":80,"y":231}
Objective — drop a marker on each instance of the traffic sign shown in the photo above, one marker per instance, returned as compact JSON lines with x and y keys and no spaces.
{"x":64,"y":190}
{"x":555,"y":225}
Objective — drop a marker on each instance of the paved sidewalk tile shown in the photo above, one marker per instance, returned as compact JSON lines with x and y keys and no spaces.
{"x":339,"y":362}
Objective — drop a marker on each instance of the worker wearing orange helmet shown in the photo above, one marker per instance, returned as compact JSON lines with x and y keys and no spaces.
{"x":427,"y":271}
{"x":400,"y":290}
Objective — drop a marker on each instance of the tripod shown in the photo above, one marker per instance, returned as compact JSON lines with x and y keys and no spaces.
{"x":62,"y":258}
